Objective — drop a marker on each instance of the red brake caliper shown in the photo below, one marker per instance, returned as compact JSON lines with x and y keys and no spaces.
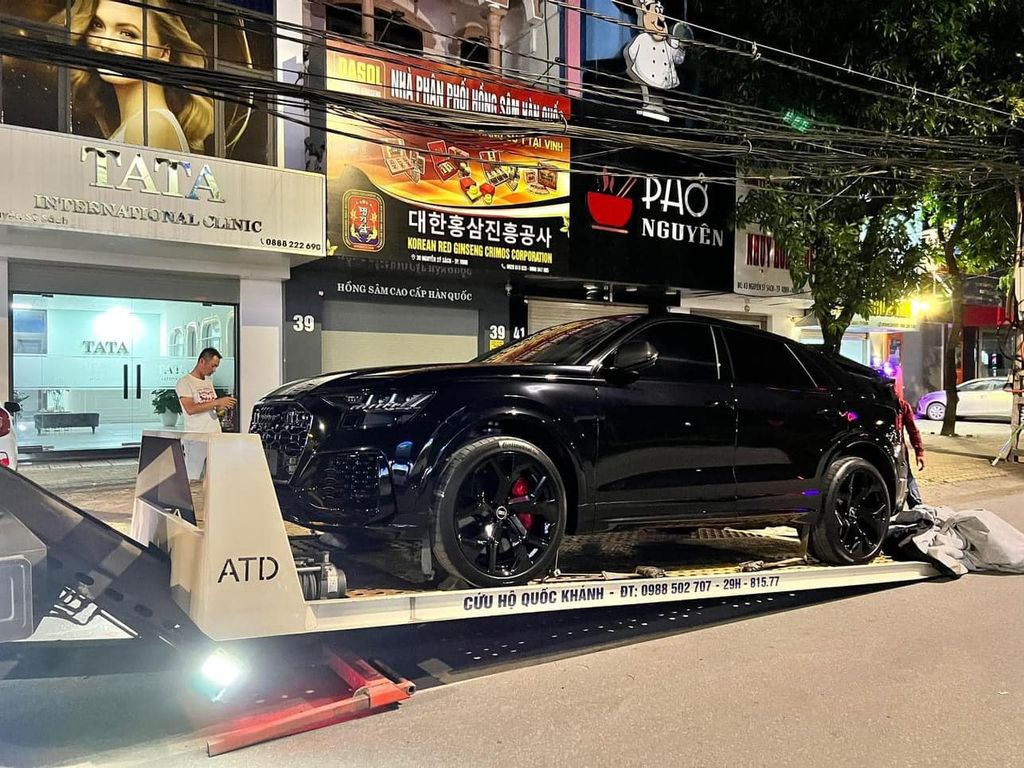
{"x":520,"y":489}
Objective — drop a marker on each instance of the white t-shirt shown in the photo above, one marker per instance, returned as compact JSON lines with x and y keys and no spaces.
{"x":201,"y":391}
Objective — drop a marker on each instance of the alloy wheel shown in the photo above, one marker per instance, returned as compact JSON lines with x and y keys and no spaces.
{"x":506,"y":514}
{"x":862,"y":512}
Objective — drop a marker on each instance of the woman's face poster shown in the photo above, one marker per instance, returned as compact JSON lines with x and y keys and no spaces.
{"x":121,"y":106}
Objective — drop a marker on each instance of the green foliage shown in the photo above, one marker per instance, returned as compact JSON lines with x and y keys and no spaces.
{"x":849,"y":251}
{"x":960,"y":173}
{"x":166,"y":400}
{"x":973,"y":228}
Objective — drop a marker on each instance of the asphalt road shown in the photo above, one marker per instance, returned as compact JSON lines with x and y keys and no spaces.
{"x":926,"y":674}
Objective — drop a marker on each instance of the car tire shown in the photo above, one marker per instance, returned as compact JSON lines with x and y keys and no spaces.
{"x":855,"y":514}
{"x":936,"y":411}
{"x":499,"y":513}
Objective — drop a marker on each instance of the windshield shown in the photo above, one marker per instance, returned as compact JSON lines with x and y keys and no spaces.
{"x":560,"y":344}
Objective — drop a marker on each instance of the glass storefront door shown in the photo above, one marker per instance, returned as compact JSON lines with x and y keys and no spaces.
{"x":92,"y":372}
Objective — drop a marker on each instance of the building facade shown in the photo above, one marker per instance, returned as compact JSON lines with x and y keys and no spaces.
{"x":444,"y":243}
{"x":140,"y":222}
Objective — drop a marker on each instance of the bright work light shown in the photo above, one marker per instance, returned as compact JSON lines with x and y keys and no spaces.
{"x":219,"y":672}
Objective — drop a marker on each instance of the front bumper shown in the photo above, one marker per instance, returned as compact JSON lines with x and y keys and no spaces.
{"x":333,"y":468}
{"x":342,"y":488}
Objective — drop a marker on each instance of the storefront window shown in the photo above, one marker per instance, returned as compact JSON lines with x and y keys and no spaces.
{"x":854,"y":346}
{"x":209,"y":334}
{"x":191,"y":341}
{"x":228,"y":342}
{"x":176,"y":348}
{"x":92,"y":372}
{"x":995,"y":352}
{"x":29,"y":331}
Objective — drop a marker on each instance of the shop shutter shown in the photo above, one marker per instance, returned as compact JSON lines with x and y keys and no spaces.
{"x":367,"y":335}
{"x":544,"y":313}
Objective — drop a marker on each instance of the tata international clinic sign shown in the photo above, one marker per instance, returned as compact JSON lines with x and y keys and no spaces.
{"x":53,"y":181}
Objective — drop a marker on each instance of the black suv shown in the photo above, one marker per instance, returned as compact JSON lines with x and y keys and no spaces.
{"x":590,"y":426}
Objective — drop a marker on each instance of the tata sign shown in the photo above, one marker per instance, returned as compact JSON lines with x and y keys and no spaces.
{"x":54,"y":181}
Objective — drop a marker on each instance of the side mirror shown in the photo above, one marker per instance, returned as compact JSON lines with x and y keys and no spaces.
{"x":631,"y":358}
{"x":12,"y":407}
{"x":1007,"y":386}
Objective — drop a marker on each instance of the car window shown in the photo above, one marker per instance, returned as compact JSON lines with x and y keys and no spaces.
{"x":995,"y":385}
{"x":560,"y":344}
{"x":817,"y":366}
{"x":973,"y":386}
{"x":686,"y":352}
{"x":765,"y":361}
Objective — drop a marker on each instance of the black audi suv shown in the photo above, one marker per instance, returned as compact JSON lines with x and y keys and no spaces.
{"x":594,"y":425}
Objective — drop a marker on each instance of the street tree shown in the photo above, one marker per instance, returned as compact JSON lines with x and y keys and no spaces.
{"x":944,"y":78}
{"x":847,"y":250}
{"x":974,"y":233}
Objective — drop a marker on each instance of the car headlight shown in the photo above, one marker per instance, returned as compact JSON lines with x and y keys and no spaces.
{"x":382,"y":402}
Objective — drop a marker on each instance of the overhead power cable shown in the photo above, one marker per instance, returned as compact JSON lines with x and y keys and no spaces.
{"x":737,"y":113}
{"x":430,"y":119}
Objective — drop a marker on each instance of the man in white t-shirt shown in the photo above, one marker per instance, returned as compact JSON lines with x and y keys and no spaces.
{"x":200,"y":404}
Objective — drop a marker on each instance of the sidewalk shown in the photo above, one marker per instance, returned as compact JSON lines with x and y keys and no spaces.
{"x":966,"y":458}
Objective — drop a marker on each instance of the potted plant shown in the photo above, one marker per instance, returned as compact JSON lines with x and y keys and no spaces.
{"x":166,"y":403}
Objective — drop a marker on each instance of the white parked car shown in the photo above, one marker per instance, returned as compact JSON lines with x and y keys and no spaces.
{"x":978,"y":399}
{"x":8,"y":436}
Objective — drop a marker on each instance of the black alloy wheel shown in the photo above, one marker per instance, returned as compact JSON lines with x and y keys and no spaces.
{"x":855,"y":517}
{"x":500,"y":513}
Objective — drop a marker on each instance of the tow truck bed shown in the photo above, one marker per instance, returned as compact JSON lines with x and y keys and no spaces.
{"x":236,"y":573}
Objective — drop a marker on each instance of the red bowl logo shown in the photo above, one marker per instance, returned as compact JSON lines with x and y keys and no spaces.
{"x":608,"y":210}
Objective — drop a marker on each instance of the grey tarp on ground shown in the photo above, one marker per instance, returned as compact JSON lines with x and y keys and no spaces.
{"x":972,"y":540}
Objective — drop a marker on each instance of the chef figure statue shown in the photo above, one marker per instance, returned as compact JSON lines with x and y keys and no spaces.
{"x":653,"y":55}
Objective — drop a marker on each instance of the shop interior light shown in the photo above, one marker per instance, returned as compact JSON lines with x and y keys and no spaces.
{"x":117,"y":324}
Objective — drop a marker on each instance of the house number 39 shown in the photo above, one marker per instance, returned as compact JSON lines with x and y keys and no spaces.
{"x":302,"y":323}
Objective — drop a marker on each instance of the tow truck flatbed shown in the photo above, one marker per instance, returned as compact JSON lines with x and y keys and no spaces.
{"x":233,"y":572}
{"x":237,"y":576}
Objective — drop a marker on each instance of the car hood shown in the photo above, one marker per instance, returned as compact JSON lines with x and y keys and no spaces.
{"x":408,"y":376}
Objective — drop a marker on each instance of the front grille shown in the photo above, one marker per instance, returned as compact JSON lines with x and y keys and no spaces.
{"x":284,"y":430}
{"x":351,"y":481}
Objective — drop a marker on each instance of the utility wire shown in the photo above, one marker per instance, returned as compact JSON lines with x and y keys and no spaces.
{"x":386,"y":110}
